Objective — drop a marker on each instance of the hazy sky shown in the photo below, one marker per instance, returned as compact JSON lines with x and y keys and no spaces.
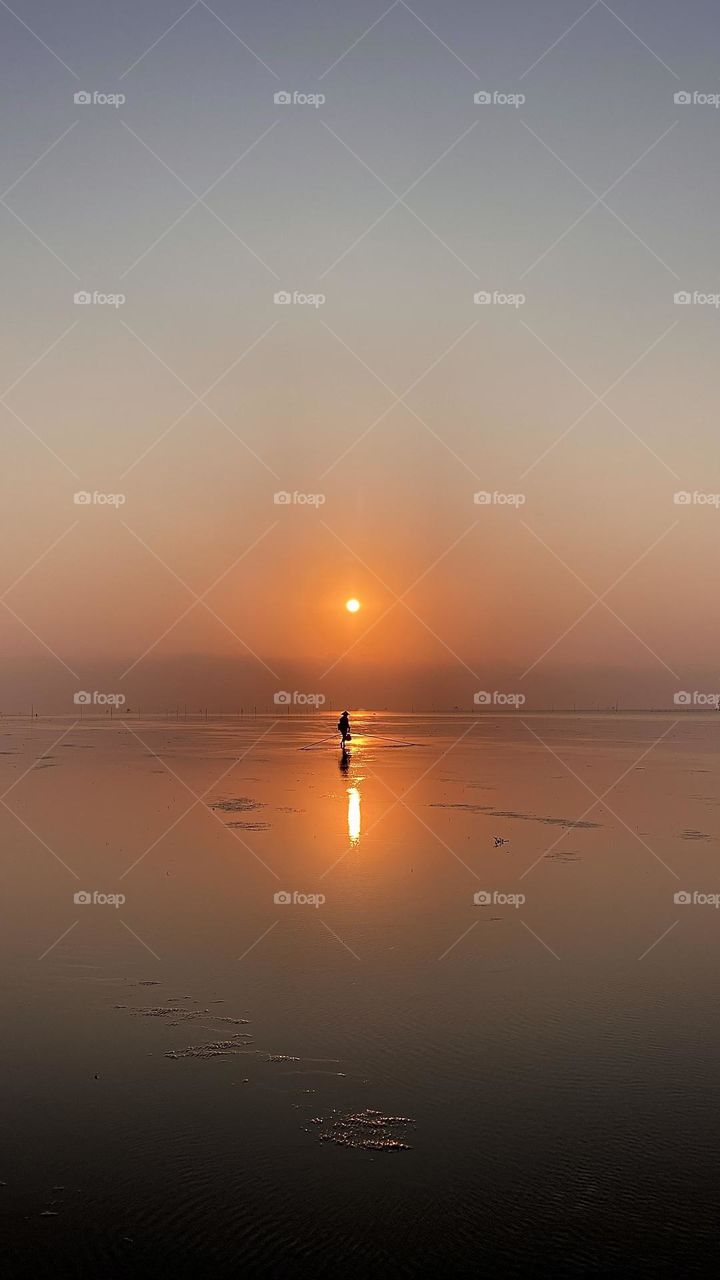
{"x":398,"y":398}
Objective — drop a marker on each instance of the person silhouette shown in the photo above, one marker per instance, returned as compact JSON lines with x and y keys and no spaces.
{"x":344,"y":729}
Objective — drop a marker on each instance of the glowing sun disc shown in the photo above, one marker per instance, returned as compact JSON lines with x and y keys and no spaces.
{"x":352,"y":606}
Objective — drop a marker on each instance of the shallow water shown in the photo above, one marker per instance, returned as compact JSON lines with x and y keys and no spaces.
{"x":381,"y":1075}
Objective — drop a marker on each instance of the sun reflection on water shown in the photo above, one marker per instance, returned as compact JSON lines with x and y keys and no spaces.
{"x":353,"y":814}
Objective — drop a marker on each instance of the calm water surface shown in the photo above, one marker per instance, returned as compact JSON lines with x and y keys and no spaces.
{"x":397,"y":1077}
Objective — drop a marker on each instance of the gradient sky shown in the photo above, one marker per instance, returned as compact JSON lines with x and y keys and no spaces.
{"x":98,"y":398}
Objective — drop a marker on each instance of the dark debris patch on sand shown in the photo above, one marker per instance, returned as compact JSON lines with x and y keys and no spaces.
{"x":187,"y":1015}
{"x":248,"y":826}
{"x":365,"y":1130}
{"x":238,"y":804}
{"x":237,"y":1044}
{"x":522,"y":817}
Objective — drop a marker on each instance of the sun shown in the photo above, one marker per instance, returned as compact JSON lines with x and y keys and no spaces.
{"x":352,"y":605}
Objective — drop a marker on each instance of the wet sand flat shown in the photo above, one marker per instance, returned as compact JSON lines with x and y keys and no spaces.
{"x":448,"y":998}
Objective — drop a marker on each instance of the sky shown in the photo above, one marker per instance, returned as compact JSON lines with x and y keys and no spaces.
{"x":382,"y":198}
